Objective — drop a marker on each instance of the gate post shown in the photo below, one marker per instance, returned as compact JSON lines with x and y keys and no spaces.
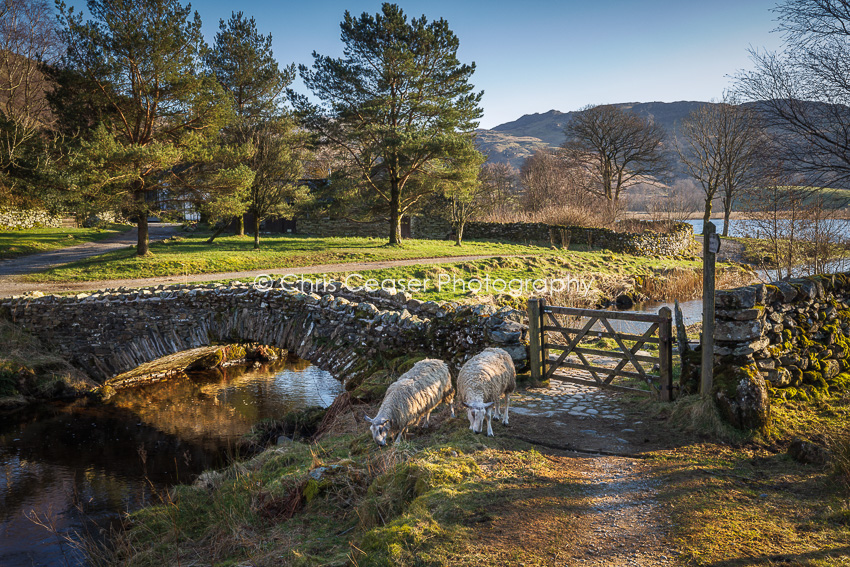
{"x":535,"y":336}
{"x":665,"y":354}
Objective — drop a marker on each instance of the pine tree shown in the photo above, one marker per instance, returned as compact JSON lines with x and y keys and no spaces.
{"x":243,"y":62}
{"x":159,"y":109}
{"x":399,"y":103}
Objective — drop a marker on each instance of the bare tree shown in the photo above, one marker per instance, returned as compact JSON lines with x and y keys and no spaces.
{"x":28,"y":40}
{"x":801,"y":229}
{"x":825,"y":240}
{"x":683,"y":201}
{"x":501,"y":181}
{"x":617,"y":148}
{"x":551,"y":179}
{"x":776,"y":210}
{"x":802,"y":92}
{"x":722,"y":142}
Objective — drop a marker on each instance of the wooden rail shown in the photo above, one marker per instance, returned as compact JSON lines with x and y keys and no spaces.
{"x":543,"y":318}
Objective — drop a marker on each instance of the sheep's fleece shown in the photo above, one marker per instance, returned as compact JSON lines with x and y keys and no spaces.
{"x":480,"y":384}
{"x":413,"y":396}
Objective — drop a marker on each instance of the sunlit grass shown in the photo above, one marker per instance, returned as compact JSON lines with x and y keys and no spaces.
{"x":190,"y":254}
{"x":17,"y":243}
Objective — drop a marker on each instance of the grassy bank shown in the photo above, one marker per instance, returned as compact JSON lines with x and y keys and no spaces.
{"x":190,"y":254}
{"x":448,"y":497}
{"x":578,"y":277}
{"x":752,"y":506}
{"x":29,"y":370}
{"x":426,"y":502}
{"x":18,"y":243}
{"x":758,"y":499}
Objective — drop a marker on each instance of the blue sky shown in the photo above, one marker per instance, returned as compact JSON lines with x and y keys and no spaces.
{"x":536,"y":55}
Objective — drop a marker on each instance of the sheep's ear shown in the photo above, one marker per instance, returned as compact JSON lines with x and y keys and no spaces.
{"x":466,"y":405}
{"x":487,"y":405}
{"x":367,"y":418}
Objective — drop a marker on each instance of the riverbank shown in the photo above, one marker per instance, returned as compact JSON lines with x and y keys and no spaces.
{"x":78,"y":466}
{"x":30,"y":372}
{"x":446,"y":496}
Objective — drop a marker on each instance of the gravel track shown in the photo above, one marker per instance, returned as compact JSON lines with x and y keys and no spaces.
{"x":625,"y":527}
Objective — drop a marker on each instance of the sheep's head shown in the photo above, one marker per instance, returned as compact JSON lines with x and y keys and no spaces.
{"x":380,"y":428}
{"x":476,"y":412}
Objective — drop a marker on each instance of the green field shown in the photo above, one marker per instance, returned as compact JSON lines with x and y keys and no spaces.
{"x":15,"y":243}
{"x":190,"y":254}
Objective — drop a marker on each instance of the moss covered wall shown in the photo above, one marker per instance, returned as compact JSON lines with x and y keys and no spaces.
{"x":796,"y":333}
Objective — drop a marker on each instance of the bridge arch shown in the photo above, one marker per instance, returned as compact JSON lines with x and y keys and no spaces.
{"x":110,"y":332}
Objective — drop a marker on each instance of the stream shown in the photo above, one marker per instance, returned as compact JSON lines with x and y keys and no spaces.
{"x":78,"y":466}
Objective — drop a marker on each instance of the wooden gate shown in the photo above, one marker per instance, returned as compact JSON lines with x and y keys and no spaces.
{"x":543,"y":318}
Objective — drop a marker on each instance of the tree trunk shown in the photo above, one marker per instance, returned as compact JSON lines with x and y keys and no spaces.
{"x":727,"y":212}
{"x":395,"y":214}
{"x":706,"y":218}
{"x":240,"y":226}
{"x":142,"y":243}
{"x":256,"y":232}
{"x":218,"y":231}
{"x":459,"y":233}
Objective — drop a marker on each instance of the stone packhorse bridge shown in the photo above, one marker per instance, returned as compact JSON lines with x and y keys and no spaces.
{"x":110,"y":332}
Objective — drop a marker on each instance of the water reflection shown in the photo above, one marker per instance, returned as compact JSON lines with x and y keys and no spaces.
{"x":747,"y":227}
{"x":84,"y":463}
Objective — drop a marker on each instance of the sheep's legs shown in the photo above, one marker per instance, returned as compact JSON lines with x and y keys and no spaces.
{"x":489,"y":423}
{"x":497,"y":409}
{"x":400,"y":433}
{"x":428,"y":418}
{"x":507,"y":405}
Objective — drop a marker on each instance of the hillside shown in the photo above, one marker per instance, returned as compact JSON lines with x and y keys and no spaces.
{"x":508,"y":148}
{"x":512,"y":142}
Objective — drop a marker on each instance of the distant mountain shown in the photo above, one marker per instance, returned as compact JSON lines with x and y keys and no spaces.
{"x":512,"y":142}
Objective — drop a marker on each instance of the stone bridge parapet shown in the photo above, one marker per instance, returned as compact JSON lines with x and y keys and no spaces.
{"x":113,"y":331}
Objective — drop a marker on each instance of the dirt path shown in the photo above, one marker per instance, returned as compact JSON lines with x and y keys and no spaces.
{"x":11,"y":286}
{"x":43,"y":260}
{"x":597,"y":438}
{"x":624,"y":526}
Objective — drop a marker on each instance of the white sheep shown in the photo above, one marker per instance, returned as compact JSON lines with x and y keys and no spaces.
{"x":481,"y":382}
{"x":414,"y":395}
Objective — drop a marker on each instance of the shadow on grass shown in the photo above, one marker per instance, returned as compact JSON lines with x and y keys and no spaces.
{"x":839,"y":554}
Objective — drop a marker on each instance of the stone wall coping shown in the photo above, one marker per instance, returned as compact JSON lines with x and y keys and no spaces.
{"x":111,"y":331}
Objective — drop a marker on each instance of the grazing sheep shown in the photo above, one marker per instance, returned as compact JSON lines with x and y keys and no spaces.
{"x":481,"y":383}
{"x":415,"y":394}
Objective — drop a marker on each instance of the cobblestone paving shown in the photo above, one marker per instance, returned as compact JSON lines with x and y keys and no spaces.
{"x":566,"y":397}
{"x":580,"y":416}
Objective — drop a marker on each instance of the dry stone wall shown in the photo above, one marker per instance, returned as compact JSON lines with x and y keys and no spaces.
{"x":110,"y":332}
{"x":672,"y":243}
{"x":791,"y":338}
{"x":342,"y":227}
{"x":12,"y":219}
